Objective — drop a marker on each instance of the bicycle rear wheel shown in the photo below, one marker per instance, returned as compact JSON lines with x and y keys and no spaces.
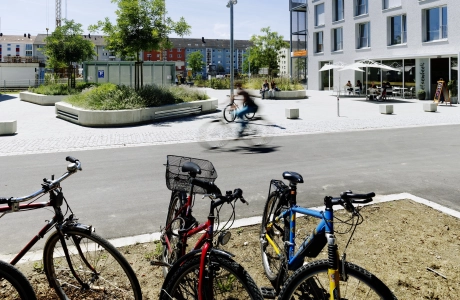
{"x":215,"y":134}
{"x":229,"y":113}
{"x":258,"y":132}
{"x":172,"y":253}
{"x":230,"y":281}
{"x":13,"y":284}
{"x":278,"y":233}
{"x":249,"y":115}
{"x":311,"y":282}
{"x":102,"y":272}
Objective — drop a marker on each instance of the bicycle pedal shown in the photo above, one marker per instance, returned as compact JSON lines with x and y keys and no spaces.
{"x":268,"y":293}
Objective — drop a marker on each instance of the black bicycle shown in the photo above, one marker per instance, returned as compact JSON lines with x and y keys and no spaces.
{"x":13,"y":284}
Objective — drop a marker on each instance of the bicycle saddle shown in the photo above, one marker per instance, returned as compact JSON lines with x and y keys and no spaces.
{"x":192,"y":168}
{"x":293,"y":177}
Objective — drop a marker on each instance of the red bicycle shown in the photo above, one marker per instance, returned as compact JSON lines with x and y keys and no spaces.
{"x":77,"y":262}
{"x":206,"y":272}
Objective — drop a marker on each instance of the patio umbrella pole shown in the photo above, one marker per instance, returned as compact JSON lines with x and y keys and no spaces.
{"x":338,"y":108}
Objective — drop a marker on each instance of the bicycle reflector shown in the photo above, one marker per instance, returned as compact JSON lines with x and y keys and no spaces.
{"x":224,"y":237}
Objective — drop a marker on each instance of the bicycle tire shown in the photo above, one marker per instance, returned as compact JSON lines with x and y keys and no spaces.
{"x":103,"y":257}
{"x":172,"y":233}
{"x":14,"y":285}
{"x":258,"y":132}
{"x":249,"y":115}
{"x":272,"y":262}
{"x":230,"y":281}
{"x":306,"y":284}
{"x":215,"y":134}
{"x":229,"y":113}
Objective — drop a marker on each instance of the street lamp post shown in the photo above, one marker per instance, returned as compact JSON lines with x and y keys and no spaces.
{"x":230,"y":5}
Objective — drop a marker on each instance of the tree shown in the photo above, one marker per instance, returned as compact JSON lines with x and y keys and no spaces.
{"x":66,"y":46}
{"x":264,"y":52}
{"x":249,"y":66}
{"x":140,"y":25}
{"x":195,"y":62}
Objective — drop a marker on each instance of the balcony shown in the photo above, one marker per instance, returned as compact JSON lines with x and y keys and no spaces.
{"x":21,"y":59}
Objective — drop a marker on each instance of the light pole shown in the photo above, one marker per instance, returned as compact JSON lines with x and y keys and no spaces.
{"x":249,"y":62}
{"x":230,"y":5}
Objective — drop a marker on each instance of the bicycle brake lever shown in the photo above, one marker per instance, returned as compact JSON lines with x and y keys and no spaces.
{"x":244,"y":201}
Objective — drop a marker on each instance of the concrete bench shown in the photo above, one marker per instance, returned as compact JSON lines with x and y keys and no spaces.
{"x":386,"y":109}
{"x":8,"y":127}
{"x":292,"y":113}
{"x":430,"y":107}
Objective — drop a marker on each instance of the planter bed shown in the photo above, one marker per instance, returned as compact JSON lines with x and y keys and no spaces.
{"x":41,"y":99}
{"x":107,"y":118}
{"x":281,"y":95}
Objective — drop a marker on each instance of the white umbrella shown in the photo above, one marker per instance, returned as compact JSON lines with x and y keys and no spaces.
{"x":368,"y":63}
{"x":329,"y":67}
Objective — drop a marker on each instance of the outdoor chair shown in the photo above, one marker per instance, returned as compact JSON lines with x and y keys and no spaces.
{"x":410,"y":93}
{"x":390,"y":93}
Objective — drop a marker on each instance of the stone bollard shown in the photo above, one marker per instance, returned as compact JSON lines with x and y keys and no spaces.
{"x":430,"y":107}
{"x":292,"y":113}
{"x":386,"y":109}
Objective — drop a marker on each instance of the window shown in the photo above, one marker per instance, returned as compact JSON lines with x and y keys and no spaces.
{"x":361,"y":7}
{"x":28,"y":52}
{"x":158,"y":55}
{"x":364,"y":39}
{"x":337,"y":39}
{"x":8,"y":49}
{"x":319,"y":14}
{"x":391,"y":3}
{"x":29,"y":47}
{"x":149,"y":57}
{"x":319,"y":42}
{"x":179,"y":56}
{"x":337,"y":10}
{"x":170,"y":55}
{"x":179,"y":49}
{"x":398,"y":30}
{"x":436,"y":23}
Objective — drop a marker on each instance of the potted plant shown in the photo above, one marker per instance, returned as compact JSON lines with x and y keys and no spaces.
{"x":453,"y":91}
{"x":421,"y":94}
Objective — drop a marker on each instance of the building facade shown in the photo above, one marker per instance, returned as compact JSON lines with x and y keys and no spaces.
{"x":418,"y":37}
{"x":17,"y":48}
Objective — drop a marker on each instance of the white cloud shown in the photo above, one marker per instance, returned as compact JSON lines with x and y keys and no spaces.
{"x":222,"y":30}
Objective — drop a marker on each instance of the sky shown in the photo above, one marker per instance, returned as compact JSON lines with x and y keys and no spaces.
{"x":208,"y":18}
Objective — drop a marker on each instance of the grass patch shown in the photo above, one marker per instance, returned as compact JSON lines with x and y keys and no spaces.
{"x":113,"y":97}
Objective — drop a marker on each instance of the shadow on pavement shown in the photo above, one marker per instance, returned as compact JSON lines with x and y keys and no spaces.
{"x":6,"y":97}
{"x":246,"y":149}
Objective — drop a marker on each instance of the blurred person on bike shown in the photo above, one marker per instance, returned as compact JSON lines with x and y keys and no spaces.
{"x":249,"y":106}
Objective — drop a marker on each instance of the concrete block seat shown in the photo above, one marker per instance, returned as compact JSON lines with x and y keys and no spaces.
{"x":8,"y":127}
{"x":41,"y":99}
{"x":386,"y":109}
{"x":292,"y":113}
{"x":430,"y":107}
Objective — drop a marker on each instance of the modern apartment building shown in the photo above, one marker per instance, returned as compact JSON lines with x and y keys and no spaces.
{"x":16,"y":48}
{"x":418,"y":37}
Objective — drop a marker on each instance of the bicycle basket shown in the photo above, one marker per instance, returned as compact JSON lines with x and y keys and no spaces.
{"x":176,"y":180}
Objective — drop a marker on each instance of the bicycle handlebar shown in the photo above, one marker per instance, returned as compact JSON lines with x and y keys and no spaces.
{"x":347,"y":199}
{"x":49,"y":184}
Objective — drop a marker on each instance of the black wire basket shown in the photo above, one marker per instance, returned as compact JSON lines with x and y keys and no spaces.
{"x":176,"y":180}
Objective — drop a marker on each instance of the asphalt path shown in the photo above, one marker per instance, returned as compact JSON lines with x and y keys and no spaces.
{"x":122,"y":191}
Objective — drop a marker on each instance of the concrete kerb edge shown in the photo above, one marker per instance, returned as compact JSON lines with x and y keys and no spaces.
{"x":147,"y":238}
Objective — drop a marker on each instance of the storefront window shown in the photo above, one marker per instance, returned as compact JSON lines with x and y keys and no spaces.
{"x":327,"y":77}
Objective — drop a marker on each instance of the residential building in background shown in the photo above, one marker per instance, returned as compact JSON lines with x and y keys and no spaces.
{"x":418,"y":37}
{"x":17,"y":48}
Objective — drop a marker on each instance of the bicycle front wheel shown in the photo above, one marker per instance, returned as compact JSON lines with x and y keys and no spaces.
{"x":278,"y":233}
{"x":215,"y":134}
{"x":13,"y":284}
{"x":100,"y":271}
{"x":171,"y":248}
{"x":229,"y":113}
{"x":230,"y":281}
{"x":311,"y":282}
{"x":258,"y":132}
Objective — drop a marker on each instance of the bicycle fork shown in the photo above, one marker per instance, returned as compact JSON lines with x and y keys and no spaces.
{"x":333,"y":269}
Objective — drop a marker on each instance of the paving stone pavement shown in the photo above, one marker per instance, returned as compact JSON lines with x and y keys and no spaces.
{"x":39,"y":131}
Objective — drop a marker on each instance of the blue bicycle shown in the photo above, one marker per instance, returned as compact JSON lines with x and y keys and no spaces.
{"x":333,"y":278}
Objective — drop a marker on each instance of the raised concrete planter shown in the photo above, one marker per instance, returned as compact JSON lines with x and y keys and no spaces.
{"x":386,"y":109}
{"x":430,"y":107}
{"x":107,"y":118}
{"x":8,"y":127}
{"x":281,"y":95}
{"x":292,"y":113}
{"x":41,"y":99}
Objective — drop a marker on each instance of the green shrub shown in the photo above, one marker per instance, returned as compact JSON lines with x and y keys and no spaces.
{"x":112,"y":97}
{"x":284,"y":84}
{"x":52,"y":89}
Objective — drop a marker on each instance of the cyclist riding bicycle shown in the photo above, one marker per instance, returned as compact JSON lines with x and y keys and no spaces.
{"x":249,"y":106}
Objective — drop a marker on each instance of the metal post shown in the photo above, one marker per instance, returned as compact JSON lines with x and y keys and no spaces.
{"x":249,"y":61}
{"x":231,"y":49}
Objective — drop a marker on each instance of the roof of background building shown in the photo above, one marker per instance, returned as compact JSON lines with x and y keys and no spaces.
{"x":17,"y":38}
{"x":97,"y":40}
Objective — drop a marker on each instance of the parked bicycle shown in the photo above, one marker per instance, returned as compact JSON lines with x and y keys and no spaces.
{"x":206,"y":272}
{"x":217,"y":133}
{"x":13,"y":284}
{"x":230,"y":112}
{"x":77,"y":262}
{"x":334,"y":278}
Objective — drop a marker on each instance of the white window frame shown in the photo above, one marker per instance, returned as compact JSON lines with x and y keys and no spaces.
{"x":337,"y":45}
{"x":316,"y":36}
{"x":319,"y":19}
{"x":387,"y":4}
{"x":403,"y":29}
{"x":337,"y":15}
{"x":368,"y":37}
{"x":442,"y":31}
{"x":365,"y":3}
